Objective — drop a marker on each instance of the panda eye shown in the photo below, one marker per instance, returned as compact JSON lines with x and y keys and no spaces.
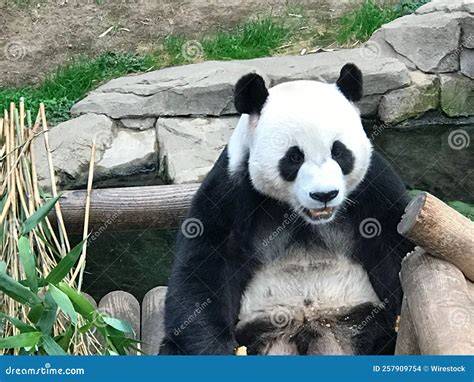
{"x":296,"y":157}
{"x":336,"y":150}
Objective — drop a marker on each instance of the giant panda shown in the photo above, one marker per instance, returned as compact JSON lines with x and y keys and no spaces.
{"x":296,"y":249}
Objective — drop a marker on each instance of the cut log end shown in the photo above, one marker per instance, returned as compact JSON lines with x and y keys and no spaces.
{"x":411,"y":214}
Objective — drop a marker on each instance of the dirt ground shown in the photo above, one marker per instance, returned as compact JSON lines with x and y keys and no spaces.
{"x":37,"y":36}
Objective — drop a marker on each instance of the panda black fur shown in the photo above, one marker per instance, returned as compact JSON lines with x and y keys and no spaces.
{"x":275,"y":268}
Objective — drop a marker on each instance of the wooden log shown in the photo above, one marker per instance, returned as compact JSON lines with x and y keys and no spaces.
{"x":407,"y":343}
{"x":128,"y":208}
{"x":440,"y":306}
{"x":153,"y":328}
{"x":122,"y":305}
{"x":441,"y":231}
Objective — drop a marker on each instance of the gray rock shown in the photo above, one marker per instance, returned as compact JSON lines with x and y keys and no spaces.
{"x":447,"y":6}
{"x":207,"y":88}
{"x":467,"y":62}
{"x":130,"y":153}
{"x":430,"y":41}
{"x":457,"y":95}
{"x":189,"y":147}
{"x":70,"y":144}
{"x":413,"y":101}
{"x":198,"y":89}
{"x":381,"y":74}
{"x":467,"y":27}
{"x":138,"y":123}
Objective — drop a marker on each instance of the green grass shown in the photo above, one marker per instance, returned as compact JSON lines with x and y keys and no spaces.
{"x":61,"y":89}
{"x":360,"y":24}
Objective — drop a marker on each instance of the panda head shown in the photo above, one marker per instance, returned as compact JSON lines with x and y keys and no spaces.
{"x":304,"y":141}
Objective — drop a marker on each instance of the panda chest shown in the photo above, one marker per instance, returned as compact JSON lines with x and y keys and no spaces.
{"x":308,"y":280}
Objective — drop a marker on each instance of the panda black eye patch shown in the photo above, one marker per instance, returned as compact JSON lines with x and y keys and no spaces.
{"x":343,"y":156}
{"x":290,"y":164}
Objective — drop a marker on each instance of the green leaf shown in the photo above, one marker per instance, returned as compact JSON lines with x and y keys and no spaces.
{"x":28,"y":261}
{"x":22,"y":340}
{"x":51,"y":347}
{"x":3,"y":267}
{"x":63,"y":302}
{"x":38,"y":216}
{"x":48,"y":317}
{"x":81,"y":304}
{"x":65,"y":265}
{"x":64,"y":340}
{"x":23,"y":327}
{"x":35,"y":313}
{"x":17,"y":291}
{"x":118,"y":324}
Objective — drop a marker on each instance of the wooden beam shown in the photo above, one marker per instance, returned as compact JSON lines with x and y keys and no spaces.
{"x":440,"y":230}
{"x":128,"y":208}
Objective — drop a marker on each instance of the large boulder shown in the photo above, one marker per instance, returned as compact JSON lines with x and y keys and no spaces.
{"x":198,"y":89}
{"x":457,"y":95}
{"x":428,"y":41}
{"x":189,"y":147}
{"x":467,"y":62}
{"x":412,"y":101}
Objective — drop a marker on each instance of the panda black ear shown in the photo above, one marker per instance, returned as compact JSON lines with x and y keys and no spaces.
{"x":350,"y":82}
{"x":250,"y":94}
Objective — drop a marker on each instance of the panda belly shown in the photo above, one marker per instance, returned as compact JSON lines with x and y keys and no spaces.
{"x":305,"y":303}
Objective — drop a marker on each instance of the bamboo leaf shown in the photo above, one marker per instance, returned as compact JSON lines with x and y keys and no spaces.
{"x":35,"y":313}
{"x":38,"y":216}
{"x":3,"y":267}
{"x":65,"y":265}
{"x":23,"y":327}
{"x":51,"y":347}
{"x":22,"y":340}
{"x":118,"y":324}
{"x":48,"y":317}
{"x":17,"y":291}
{"x":28,"y":261}
{"x":81,"y":304}
{"x":63,"y":302}
{"x":64,"y":340}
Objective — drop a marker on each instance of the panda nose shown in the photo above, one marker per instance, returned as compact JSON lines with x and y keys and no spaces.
{"x":324,"y":197}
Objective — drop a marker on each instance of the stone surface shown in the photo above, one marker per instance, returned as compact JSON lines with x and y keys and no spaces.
{"x":207,"y":88}
{"x":429,"y":41}
{"x":198,"y":89}
{"x":467,"y":62}
{"x":381,"y":74}
{"x":447,"y":6}
{"x":467,"y":27}
{"x":457,"y":95}
{"x":412,"y":101}
{"x":130,"y":153}
{"x":190,"y":146}
{"x":138,"y":123}
{"x":70,"y":144}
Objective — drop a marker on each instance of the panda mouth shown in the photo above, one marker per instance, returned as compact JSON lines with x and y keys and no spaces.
{"x":319,"y":213}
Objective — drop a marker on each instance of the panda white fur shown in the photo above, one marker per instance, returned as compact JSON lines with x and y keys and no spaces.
{"x":299,"y":252}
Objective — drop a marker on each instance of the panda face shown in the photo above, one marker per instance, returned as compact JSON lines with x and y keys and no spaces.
{"x":307,"y":148}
